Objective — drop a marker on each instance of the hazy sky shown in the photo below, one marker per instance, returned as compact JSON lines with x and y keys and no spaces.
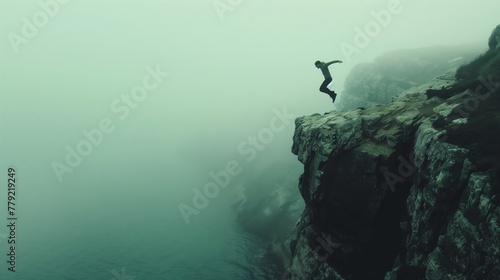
{"x":73,"y":70}
{"x":228,"y":69}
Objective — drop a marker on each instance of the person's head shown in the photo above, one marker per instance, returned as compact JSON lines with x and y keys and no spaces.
{"x":317,"y":63}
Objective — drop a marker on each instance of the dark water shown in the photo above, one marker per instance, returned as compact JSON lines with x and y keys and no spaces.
{"x":145,"y":250}
{"x":106,"y":238}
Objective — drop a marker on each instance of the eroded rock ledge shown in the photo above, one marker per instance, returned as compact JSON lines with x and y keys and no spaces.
{"x":395,"y":192}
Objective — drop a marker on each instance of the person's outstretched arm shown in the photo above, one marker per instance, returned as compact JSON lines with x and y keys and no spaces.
{"x":332,"y":62}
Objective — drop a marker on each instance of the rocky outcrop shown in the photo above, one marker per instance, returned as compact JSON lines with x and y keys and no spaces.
{"x":377,"y":82}
{"x":405,"y":190}
{"x":494,"y":41}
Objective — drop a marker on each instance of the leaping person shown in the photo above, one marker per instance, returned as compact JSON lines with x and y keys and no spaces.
{"x":328,"y":77}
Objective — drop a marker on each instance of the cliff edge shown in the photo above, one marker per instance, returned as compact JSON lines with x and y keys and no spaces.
{"x":405,"y":190}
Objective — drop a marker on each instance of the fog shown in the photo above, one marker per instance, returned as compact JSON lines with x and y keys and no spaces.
{"x":231,"y":66}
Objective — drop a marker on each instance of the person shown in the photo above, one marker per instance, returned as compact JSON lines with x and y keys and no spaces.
{"x":328,"y":77}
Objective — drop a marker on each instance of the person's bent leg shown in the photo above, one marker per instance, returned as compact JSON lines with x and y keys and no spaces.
{"x":324,"y":87}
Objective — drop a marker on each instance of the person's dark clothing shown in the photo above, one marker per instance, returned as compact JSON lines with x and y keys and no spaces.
{"x":324,"y":87}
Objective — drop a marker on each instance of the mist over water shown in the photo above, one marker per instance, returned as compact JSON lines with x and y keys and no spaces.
{"x":118,"y":206}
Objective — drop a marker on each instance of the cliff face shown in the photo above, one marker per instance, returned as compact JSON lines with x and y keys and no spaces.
{"x":405,"y":190}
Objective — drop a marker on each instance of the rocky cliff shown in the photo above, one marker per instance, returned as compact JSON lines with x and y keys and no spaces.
{"x":494,"y":41}
{"x":405,"y":190}
{"x":387,"y":76}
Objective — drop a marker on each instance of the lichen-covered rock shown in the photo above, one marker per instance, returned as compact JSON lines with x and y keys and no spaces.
{"x":462,"y":249}
{"x":405,"y":190}
{"x":344,"y":155}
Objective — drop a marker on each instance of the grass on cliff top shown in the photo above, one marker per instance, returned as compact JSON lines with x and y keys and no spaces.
{"x":469,"y":76}
{"x":485,"y":65}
